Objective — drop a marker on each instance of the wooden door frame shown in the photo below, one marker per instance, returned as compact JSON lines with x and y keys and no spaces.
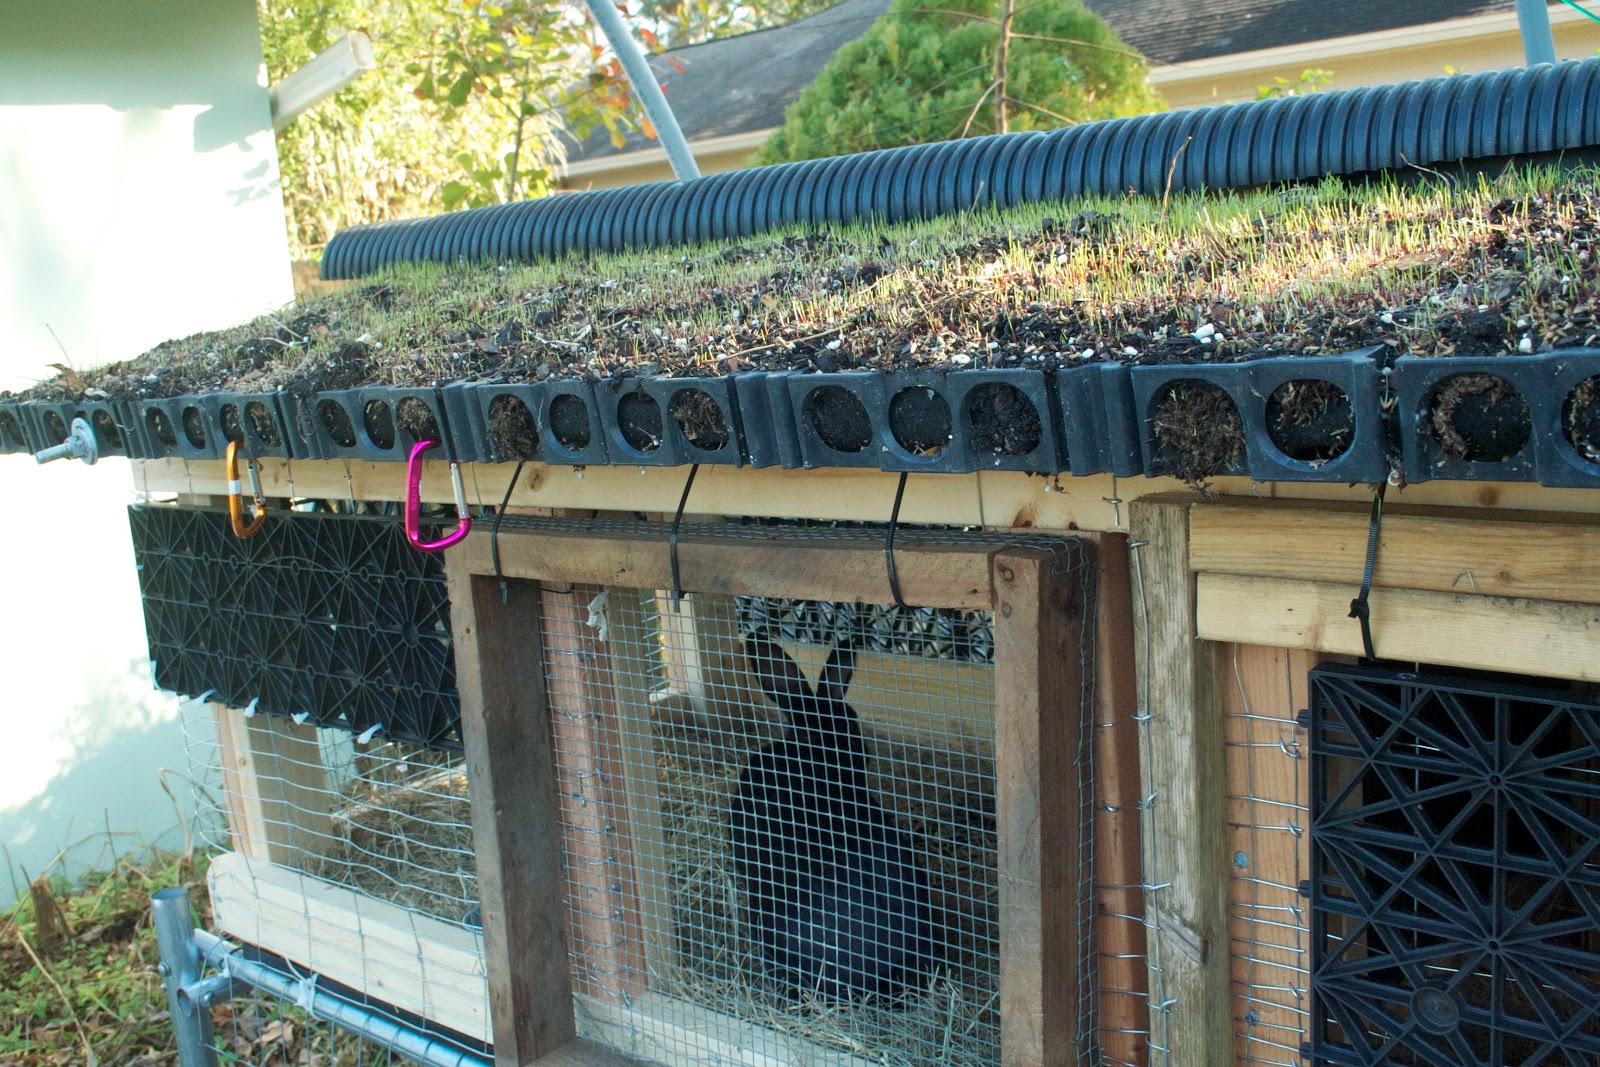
{"x":1039,"y":626}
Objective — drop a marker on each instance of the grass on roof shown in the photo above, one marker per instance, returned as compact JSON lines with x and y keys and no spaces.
{"x":1429,"y":267}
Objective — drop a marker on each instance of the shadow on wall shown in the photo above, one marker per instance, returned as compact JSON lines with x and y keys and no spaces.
{"x":106,"y":796}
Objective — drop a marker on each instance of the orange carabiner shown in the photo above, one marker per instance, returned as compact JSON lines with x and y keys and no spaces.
{"x":235,"y":504}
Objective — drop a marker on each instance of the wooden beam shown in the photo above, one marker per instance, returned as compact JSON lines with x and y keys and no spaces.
{"x":1186,"y":821}
{"x":948,"y":576}
{"x":1536,"y":637}
{"x":1000,"y":499}
{"x":674,"y":1033}
{"x":603,"y":911}
{"x":275,"y":786}
{"x":516,"y":816}
{"x":1501,"y":557}
{"x":1268,"y":790}
{"x":1039,"y":630}
{"x":1119,"y":912}
{"x":632,"y":653}
{"x":403,"y":957}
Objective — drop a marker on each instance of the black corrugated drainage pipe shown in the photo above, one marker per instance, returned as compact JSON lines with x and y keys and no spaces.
{"x":1420,"y":123}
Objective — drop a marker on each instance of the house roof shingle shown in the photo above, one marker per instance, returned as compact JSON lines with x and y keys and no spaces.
{"x":742,"y":84}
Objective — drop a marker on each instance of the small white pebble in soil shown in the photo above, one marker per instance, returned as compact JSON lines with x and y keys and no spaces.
{"x":1522,"y":324}
{"x":993,"y":345}
{"x":833,"y":345}
{"x":1061,"y":260}
{"x":1386,"y":318}
{"x":960,"y":359}
{"x":1129,"y":350}
{"x":1525,"y":345}
{"x":1205,"y":332}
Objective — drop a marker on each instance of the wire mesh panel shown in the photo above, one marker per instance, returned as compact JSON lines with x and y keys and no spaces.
{"x":1455,"y":888}
{"x":350,"y":861}
{"x":780,"y":827}
{"x":812,"y":830}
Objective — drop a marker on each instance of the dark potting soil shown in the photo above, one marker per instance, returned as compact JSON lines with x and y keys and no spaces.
{"x":1199,"y":431}
{"x":337,"y":423}
{"x":378,"y":418}
{"x":232,"y":427}
{"x":1478,"y":417}
{"x":639,"y":419}
{"x":265,"y":426}
{"x":512,"y":430}
{"x":1580,"y":419}
{"x":839,"y":418}
{"x":417,"y":419}
{"x":1004,"y":420}
{"x":569,"y":422}
{"x":919,"y":418}
{"x":194,"y":427}
{"x":700,"y":419}
{"x":1310,"y":420}
{"x":106,"y":427}
{"x":11,"y":430}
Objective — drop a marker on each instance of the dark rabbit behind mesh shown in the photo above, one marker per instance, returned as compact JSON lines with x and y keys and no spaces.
{"x":835,"y":900}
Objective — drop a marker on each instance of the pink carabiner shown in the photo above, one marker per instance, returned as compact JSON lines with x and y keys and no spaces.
{"x":413,"y":512}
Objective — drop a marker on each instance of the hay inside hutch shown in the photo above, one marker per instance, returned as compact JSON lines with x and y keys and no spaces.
{"x":1041,"y":538}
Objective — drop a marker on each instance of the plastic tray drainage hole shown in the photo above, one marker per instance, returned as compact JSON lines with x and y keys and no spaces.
{"x":1311,"y":420}
{"x":919,"y":418}
{"x":511,"y":428}
{"x":1004,"y":421}
{"x":639,"y":419}
{"x":569,"y":422}
{"x":417,"y":420}
{"x":1198,"y":429}
{"x":232,"y":428}
{"x":378,"y":419}
{"x":336,"y":420}
{"x":839,"y":417}
{"x":1580,"y":419}
{"x":10,"y":430}
{"x":262,"y":422}
{"x":1481,"y":418}
{"x":105,"y":428}
{"x":194,"y":426}
{"x":158,"y":422}
{"x":56,"y":427}
{"x":700,"y":418}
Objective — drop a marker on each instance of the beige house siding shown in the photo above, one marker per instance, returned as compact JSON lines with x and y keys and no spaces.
{"x":1487,"y":42}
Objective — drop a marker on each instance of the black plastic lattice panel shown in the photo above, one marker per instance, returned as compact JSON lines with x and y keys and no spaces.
{"x":330,"y":616}
{"x":1455,"y":856}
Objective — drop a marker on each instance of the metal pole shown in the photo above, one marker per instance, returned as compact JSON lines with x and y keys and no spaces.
{"x":644,"y":83}
{"x":1538,"y":43}
{"x":180,"y":968}
{"x":304,"y":993}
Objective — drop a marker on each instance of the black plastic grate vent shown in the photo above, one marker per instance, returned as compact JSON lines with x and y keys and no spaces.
{"x":1455,"y":894}
{"x":331,"y":616}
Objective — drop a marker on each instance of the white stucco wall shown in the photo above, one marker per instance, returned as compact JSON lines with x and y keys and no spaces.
{"x":138,"y":202}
